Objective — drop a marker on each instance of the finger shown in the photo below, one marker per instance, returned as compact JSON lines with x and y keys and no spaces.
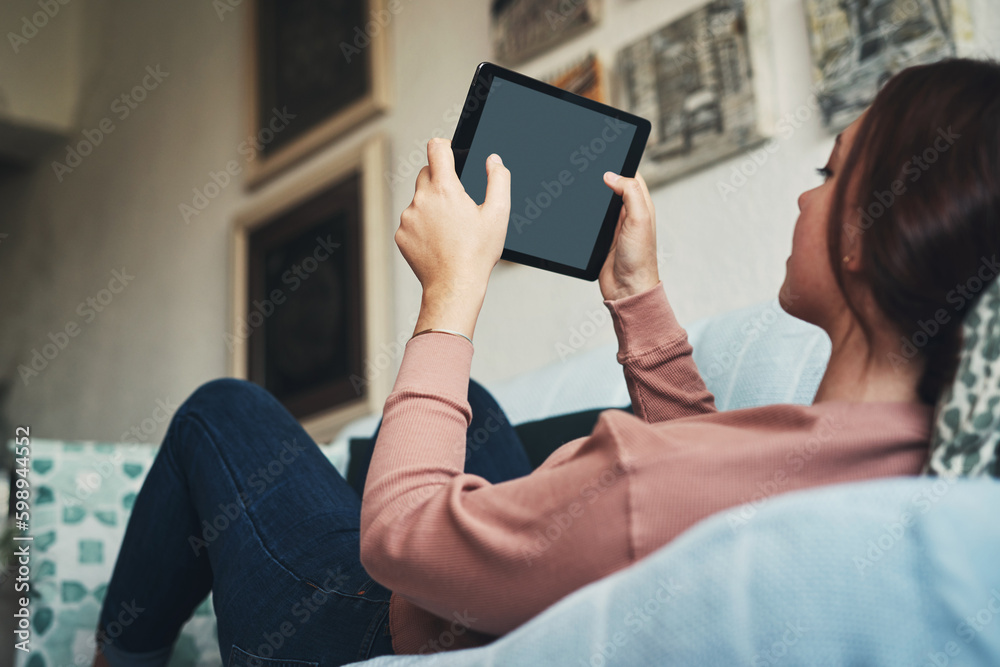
{"x":497,"y":187}
{"x":631,"y":193}
{"x":645,"y":192}
{"x":441,"y":160}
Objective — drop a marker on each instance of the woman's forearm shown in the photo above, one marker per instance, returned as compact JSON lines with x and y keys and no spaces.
{"x":454,"y":305}
{"x":653,"y":349}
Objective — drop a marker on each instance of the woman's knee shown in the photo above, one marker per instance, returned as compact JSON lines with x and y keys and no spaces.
{"x":224,"y":391}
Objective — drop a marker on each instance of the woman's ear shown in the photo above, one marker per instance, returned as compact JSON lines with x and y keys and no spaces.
{"x":852,"y":261}
{"x":851,"y":245}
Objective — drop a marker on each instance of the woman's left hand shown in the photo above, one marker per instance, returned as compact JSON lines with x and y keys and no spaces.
{"x":450,"y":242}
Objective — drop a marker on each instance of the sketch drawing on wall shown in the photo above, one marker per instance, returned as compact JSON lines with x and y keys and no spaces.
{"x":857,"y":45}
{"x":694,"y":79}
{"x":522,"y":29}
{"x":582,"y":77}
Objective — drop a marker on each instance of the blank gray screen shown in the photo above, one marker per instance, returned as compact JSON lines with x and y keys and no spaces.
{"x":557,"y":153}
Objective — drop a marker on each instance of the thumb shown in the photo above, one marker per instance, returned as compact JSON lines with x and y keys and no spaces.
{"x":497,"y":187}
{"x":635,"y":208}
{"x":615,"y":182}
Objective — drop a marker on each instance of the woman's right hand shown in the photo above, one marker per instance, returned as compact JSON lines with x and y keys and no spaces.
{"x":630,"y":267}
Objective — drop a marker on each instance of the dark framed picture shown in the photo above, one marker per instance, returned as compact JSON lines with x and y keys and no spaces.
{"x":317,"y":68}
{"x":305,"y":286}
{"x":309,"y":272}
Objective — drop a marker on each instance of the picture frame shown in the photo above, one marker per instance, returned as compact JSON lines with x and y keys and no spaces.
{"x":522,"y":29}
{"x":584,"y":76}
{"x":315,"y":70}
{"x":706,"y":81}
{"x":309,"y":274}
{"x":855,"y":50}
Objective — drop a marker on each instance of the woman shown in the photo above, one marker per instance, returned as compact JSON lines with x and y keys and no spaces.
{"x":458,"y":540}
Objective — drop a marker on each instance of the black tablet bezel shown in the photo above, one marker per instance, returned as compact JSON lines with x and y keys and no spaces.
{"x":466,"y":130}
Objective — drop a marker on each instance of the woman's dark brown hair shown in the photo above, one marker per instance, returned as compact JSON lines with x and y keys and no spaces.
{"x":926,"y":208}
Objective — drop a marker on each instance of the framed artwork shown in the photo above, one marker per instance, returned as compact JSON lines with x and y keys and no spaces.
{"x":309,"y":283}
{"x":704,"y":81}
{"x":317,"y":68}
{"x":857,"y":45}
{"x":584,"y":77}
{"x":521,"y":29}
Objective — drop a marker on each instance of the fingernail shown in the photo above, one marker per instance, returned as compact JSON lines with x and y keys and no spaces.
{"x":496,"y":158}
{"x":611,"y":176}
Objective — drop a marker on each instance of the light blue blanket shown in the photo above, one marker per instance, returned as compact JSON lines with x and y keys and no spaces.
{"x":891,"y":572}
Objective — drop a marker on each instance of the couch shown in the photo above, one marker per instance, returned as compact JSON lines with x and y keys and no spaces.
{"x":825,"y":576}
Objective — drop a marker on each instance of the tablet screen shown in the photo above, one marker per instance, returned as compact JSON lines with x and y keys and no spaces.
{"x":557,"y":153}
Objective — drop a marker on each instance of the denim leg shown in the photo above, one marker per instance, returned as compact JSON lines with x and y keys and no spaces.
{"x":240,"y":500}
{"x":492,"y":448}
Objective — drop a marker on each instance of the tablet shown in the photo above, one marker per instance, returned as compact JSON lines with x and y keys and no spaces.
{"x":557,"y":146}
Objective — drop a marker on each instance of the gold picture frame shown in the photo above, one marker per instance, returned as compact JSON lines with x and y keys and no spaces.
{"x":277,"y":204}
{"x":280,"y":86}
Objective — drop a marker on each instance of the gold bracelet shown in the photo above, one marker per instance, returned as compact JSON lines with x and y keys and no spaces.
{"x":447,"y":331}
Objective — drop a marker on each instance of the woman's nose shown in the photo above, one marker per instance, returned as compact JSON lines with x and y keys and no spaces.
{"x":802,"y":199}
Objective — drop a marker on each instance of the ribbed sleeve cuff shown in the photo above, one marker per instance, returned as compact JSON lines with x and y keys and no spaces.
{"x":438,"y":363}
{"x":644,"y":321}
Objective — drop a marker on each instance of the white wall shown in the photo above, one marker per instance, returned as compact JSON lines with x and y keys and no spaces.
{"x":162,"y":336}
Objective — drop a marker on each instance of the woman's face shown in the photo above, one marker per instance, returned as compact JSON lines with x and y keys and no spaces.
{"x":810,"y":290}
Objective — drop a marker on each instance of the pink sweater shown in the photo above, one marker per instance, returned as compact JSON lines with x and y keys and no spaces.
{"x":468,"y":560}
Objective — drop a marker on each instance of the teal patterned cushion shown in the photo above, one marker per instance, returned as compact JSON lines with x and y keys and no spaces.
{"x":82,"y":495}
{"x":967,"y":418}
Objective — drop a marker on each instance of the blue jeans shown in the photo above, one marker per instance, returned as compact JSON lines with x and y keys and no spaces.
{"x":241,"y":502}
